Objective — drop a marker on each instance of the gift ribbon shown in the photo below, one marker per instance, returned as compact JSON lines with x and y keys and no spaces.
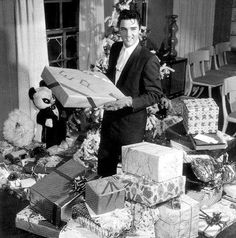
{"x":90,"y":100}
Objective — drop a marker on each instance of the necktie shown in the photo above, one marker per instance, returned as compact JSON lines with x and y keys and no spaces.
{"x":123,"y":57}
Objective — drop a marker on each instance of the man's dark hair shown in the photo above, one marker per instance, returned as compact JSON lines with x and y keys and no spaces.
{"x":127,"y":15}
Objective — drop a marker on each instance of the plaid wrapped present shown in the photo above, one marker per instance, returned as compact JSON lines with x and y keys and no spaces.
{"x":200,"y":115}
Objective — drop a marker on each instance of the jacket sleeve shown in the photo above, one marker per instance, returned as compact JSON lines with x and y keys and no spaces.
{"x":150,"y":84}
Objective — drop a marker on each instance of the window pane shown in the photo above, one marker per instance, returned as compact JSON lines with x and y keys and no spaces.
{"x":55,"y":48}
{"x":52,"y":15}
{"x":71,"y":64}
{"x":71,"y":46}
{"x":69,"y":10}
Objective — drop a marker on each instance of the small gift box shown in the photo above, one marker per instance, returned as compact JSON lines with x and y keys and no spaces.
{"x":200,"y":115}
{"x":104,"y":195}
{"x":206,"y":196}
{"x":216,"y":218}
{"x":176,"y":223}
{"x":149,"y":192}
{"x":30,"y":221}
{"x":53,"y":195}
{"x":155,"y":162}
{"x":111,"y":224}
{"x":74,"y":88}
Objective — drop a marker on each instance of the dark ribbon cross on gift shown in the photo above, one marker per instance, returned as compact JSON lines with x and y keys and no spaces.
{"x":112,"y":186}
{"x":215,"y":219}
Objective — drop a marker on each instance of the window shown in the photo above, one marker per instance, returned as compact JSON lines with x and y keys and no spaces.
{"x":62,"y":27}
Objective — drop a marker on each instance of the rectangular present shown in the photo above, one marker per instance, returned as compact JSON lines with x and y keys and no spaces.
{"x":176,"y":223}
{"x":200,"y":115}
{"x":53,"y":195}
{"x":104,"y":195}
{"x":111,"y":224}
{"x":74,"y":88}
{"x":206,"y":196}
{"x":221,"y":215}
{"x":30,"y":221}
{"x":148,"y":192}
{"x":155,"y":162}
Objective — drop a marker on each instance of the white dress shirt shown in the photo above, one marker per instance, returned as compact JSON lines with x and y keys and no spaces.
{"x":123,"y":58}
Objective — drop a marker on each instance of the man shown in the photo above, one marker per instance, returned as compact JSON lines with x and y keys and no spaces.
{"x":136,"y":72}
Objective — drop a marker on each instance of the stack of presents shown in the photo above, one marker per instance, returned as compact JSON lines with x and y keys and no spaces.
{"x":157,"y":192}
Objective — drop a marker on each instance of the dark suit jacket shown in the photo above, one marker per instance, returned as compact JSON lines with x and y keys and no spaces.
{"x":139,"y":79}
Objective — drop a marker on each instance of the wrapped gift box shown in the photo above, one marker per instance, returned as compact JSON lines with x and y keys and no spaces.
{"x":200,"y":115}
{"x":206,"y":196}
{"x":144,"y":219}
{"x":74,"y":88}
{"x":178,"y":223}
{"x":104,"y":195}
{"x":30,"y":221}
{"x":148,"y":192}
{"x":53,"y":195}
{"x":155,"y":162}
{"x":227,"y":211}
{"x":111,"y":224}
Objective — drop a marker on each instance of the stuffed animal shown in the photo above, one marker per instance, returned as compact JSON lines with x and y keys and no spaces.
{"x":49,"y":116}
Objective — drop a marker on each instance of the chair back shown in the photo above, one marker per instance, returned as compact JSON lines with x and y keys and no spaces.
{"x":229,"y":95}
{"x":197,"y":61}
{"x":208,"y":63}
{"x":220,"y":53}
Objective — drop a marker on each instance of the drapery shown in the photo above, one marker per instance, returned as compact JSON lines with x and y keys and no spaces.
{"x":23,"y":50}
{"x":196,"y":24}
{"x":31,"y":46}
{"x":91,"y":31}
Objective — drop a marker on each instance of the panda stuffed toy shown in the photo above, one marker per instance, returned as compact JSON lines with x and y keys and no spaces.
{"x":49,"y":116}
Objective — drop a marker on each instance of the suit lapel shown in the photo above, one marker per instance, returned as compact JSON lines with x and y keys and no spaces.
{"x":128,"y":64}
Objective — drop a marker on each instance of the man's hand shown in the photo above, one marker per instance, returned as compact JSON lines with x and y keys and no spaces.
{"x":118,"y":104}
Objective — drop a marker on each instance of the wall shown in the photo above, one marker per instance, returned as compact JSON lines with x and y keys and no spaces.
{"x":158,"y":12}
{"x":223,"y":13}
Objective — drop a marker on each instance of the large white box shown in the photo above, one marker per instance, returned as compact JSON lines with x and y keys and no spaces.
{"x":156,"y":162}
{"x":75,"y":88}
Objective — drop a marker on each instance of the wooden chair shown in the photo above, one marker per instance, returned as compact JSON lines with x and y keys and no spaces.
{"x":210,"y":68}
{"x":197,"y":75}
{"x":220,"y":58}
{"x":228,"y":97}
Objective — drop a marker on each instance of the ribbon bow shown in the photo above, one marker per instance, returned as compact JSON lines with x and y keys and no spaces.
{"x":215,"y":219}
{"x":78,"y":184}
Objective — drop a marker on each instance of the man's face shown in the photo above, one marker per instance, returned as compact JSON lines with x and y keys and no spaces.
{"x":129,"y":31}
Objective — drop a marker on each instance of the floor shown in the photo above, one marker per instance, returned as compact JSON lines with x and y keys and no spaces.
{"x":10,"y":205}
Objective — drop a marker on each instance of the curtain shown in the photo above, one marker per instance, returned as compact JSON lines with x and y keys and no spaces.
{"x":91,"y":32}
{"x":31,"y":48}
{"x":196,"y":24}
